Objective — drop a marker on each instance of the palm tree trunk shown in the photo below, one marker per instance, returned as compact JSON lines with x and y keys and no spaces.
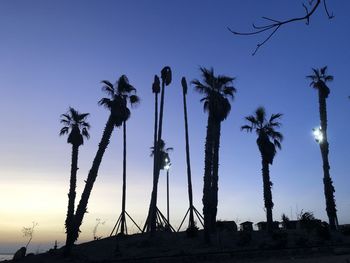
{"x":215,"y":176}
{"x":82,"y":207}
{"x":267,"y":194}
{"x":156,"y":168}
{"x":188,"y":162}
{"x":72,"y":193}
{"x":327,"y":180}
{"x":207,"y":209}
{"x":122,"y":230}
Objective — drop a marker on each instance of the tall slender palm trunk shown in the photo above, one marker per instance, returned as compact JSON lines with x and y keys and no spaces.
{"x":72,"y":193}
{"x":267,"y":193}
{"x":215,"y":173}
{"x":327,"y":180}
{"x":123,"y":222}
{"x":152,"y":223}
{"x":82,"y":207}
{"x":188,"y":162}
{"x":207,"y":198}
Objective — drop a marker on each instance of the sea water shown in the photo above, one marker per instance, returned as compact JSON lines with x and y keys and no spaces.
{"x":5,"y":257}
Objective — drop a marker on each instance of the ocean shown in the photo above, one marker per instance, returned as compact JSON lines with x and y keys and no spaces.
{"x":6,"y":257}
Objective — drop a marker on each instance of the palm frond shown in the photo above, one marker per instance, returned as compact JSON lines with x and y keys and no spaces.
{"x":64,"y":130}
{"x":83,"y":116}
{"x":252,"y":120}
{"x":134,"y":99}
{"x":107,"y":83}
{"x":106,"y":102}
{"x":85,"y":133}
{"x":277,"y":144}
{"x":230,"y":90}
{"x":317,"y":73}
{"x":66,"y":116}
{"x":247,"y":128}
{"x":223,"y":80}
{"x":260,"y":115}
{"x":328,"y":78}
{"x":276,"y":135}
{"x":275,"y":116}
{"x":65,"y":122}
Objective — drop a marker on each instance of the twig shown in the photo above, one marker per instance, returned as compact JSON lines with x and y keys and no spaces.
{"x":276,"y":24}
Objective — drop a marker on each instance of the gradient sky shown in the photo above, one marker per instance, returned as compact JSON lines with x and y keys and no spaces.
{"x":53,"y":54}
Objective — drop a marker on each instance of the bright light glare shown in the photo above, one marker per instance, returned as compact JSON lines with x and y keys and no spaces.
{"x":318,"y":134}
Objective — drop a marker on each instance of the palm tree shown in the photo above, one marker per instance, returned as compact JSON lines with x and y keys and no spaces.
{"x":133,"y":99}
{"x":164,"y":161}
{"x":266,"y":131}
{"x":118,"y":114}
{"x":164,"y":158}
{"x":318,"y":82}
{"x":74,"y":124}
{"x":150,"y":225}
{"x":216,"y":90}
{"x":191,"y":225}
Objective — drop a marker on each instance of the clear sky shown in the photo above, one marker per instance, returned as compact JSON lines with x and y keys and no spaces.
{"x":53,"y":54}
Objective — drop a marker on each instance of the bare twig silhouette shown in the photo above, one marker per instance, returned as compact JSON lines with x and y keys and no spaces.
{"x":273,"y":24}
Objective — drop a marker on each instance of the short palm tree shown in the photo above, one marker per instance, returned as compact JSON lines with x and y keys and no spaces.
{"x":119,"y":113}
{"x":318,"y":82}
{"x":164,"y":158}
{"x":268,"y":140}
{"x":216,"y":90}
{"x":76,"y":126}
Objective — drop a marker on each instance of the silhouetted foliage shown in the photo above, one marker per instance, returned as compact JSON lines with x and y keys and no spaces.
{"x":216,"y":91}
{"x":266,"y":131}
{"x":164,"y":158}
{"x":28,"y":232}
{"x":77,"y":127}
{"x":318,"y":82}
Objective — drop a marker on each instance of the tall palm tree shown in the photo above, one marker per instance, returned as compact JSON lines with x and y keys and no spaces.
{"x":268,"y":140}
{"x":216,"y":90}
{"x":132,"y":99}
{"x":150,"y":225}
{"x":318,"y":82}
{"x":191,"y":225}
{"x":74,"y":124}
{"x":119,"y":113}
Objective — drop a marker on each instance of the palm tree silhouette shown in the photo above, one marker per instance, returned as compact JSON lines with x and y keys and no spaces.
{"x":128,"y":94}
{"x":164,"y":158}
{"x":74,"y":124}
{"x":165,"y":162}
{"x":151,"y":221}
{"x":318,"y":82}
{"x":216,"y":90}
{"x":266,"y":131}
{"x":192,"y":229}
{"x":118,"y":114}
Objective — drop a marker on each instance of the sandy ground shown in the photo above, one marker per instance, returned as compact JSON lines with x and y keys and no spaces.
{"x":225,"y":247}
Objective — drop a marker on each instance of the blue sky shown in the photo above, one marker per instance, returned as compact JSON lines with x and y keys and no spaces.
{"x":53,"y":54}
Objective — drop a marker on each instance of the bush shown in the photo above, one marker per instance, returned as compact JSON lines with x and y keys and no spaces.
{"x":244,"y":238}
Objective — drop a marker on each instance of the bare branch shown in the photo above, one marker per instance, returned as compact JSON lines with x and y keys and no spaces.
{"x":274,"y":24}
{"x":330,"y":16}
